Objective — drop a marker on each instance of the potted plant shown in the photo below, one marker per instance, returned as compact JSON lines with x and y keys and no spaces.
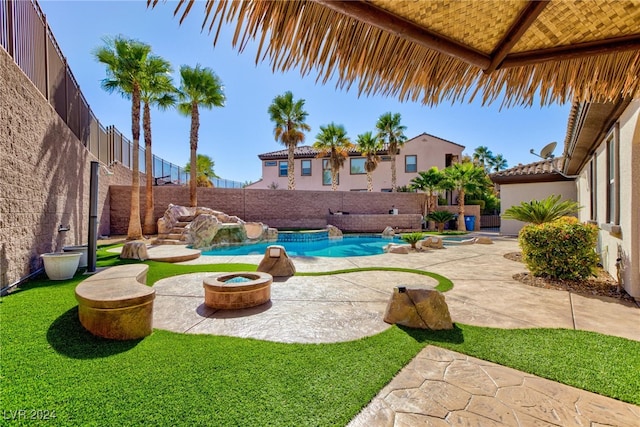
{"x":61,"y":265}
{"x":440,"y":217}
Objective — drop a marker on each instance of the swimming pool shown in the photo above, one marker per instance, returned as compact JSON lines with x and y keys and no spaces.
{"x":346,"y":247}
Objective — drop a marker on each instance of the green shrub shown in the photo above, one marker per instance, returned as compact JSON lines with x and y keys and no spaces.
{"x":412,"y":238}
{"x":440,"y":217}
{"x":479,"y":202}
{"x":561,"y":249}
{"x":442,"y":201}
{"x":541,"y":211}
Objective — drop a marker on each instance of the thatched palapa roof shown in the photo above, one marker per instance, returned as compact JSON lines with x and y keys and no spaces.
{"x":437,"y":50}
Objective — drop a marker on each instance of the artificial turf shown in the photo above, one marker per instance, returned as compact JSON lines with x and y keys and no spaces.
{"x":50,"y":363}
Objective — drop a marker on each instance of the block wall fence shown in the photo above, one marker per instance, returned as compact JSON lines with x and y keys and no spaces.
{"x":276,"y":208}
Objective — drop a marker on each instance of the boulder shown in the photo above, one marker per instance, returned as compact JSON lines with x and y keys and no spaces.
{"x":334,"y":231}
{"x":468,"y":242}
{"x":271,"y":234}
{"x":388,"y":232}
{"x":393,"y":248}
{"x":229,"y":233}
{"x":254,"y":230}
{"x":134,"y":250}
{"x":483,"y":240}
{"x":276,"y":262}
{"x":418,"y":308}
{"x":202,"y":231}
{"x":432,"y":242}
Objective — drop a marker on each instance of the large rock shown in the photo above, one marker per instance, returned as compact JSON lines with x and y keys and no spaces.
{"x":255,"y":230}
{"x":432,"y":242}
{"x":134,"y":250}
{"x":271,"y":234}
{"x":333,"y":231}
{"x":276,"y":262}
{"x":393,"y":248}
{"x":202,"y":231}
{"x":483,"y":240}
{"x":229,"y":233}
{"x":388,"y":232}
{"x":418,"y":308}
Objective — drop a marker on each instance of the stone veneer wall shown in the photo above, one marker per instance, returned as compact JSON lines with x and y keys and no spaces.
{"x":44,"y":178}
{"x":276,"y":208}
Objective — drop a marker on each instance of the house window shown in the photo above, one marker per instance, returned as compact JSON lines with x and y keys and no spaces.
{"x":593,"y":189}
{"x":411,"y":164}
{"x":326,"y":173}
{"x":305,"y":165}
{"x":357,"y":166}
{"x":270,"y":163}
{"x":283,"y":169}
{"x":613,"y":177}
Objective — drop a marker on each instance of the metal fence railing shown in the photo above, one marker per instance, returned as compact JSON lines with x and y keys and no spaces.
{"x":25,"y":35}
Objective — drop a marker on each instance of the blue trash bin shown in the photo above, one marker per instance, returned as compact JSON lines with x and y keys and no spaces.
{"x":470,"y":222}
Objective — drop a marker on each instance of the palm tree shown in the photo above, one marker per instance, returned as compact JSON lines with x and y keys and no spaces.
{"x":541,"y":211}
{"x":429,"y":181}
{"x":333,"y":141}
{"x":156,"y":89}
{"x":289,"y":118}
{"x":204,"y":170}
{"x":199,"y":87}
{"x":391,"y":132}
{"x":369,"y":145}
{"x":498,"y":163}
{"x":482,"y":156}
{"x":464,"y":178}
{"x":125,"y":60}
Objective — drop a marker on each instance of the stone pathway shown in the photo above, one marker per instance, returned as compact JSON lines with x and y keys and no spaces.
{"x":444,"y":388}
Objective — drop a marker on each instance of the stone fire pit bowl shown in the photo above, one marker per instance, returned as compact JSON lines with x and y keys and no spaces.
{"x":237,"y":290}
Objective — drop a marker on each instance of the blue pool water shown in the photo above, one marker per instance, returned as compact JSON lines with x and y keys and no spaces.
{"x":345,"y":247}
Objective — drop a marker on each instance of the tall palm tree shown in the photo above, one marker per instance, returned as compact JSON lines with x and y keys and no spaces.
{"x":199,"y":87}
{"x":125,"y":60}
{"x":429,"y":181}
{"x":156,"y":89}
{"x":482,"y":156}
{"x":464,"y":178}
{"x":369,"y":145}
{"x":204,"y":170}
{"x":498,"y":163}
{"x":289,"y":118}
{"x":391,"y":132}
{"x":333,"y":141}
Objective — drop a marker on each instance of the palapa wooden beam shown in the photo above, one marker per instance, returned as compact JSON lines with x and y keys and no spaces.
{"x":520,"y":26}
{"x":582,"y":50}
{"x":384,"y":20}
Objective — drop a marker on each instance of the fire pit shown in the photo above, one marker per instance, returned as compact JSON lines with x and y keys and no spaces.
{"x":237,"y":290}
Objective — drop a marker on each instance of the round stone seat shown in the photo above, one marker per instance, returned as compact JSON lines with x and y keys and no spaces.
{"x":237,"y":290}
{"x":116,"y":304}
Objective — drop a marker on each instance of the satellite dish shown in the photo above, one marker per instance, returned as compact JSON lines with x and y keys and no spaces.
{"x":547,"y":150}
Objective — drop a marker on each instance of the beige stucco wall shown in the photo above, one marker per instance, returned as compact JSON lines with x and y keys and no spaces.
{"x":514,"y":194}
{"x":430,"y":152}
{"x":627,"y":244}
{"x":44,"y":178}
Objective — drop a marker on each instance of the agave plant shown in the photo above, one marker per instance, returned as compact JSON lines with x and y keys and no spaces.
{"x":440,"y":217}
{"x":541,"y":211}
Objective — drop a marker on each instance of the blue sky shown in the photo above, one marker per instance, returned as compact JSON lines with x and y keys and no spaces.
{"x":234,"y":135}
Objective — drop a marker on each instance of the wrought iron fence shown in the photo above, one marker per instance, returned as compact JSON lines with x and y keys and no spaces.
{"x":25,"y":35}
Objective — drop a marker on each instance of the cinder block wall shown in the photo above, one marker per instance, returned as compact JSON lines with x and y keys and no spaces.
{"x":277,"y":208}
{"x":44,"y":178}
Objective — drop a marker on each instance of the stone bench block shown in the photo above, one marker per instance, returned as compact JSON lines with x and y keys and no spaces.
{"x":116,"y":304}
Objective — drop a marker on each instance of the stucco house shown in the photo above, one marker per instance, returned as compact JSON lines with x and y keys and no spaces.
{"x":312,"y":173}
{"x":533,"y":181}
{"x":602,"y":149}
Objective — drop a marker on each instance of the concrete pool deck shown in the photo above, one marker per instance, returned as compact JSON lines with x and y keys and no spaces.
{"x":438,"y":387}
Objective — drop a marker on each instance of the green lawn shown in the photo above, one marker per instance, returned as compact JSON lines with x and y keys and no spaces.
{"x":49,"y":362}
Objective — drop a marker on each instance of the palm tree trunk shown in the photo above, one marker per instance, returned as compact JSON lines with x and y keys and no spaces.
{"x":193,"y":140}
{"x":135,"y":229}
{"x":290,"y":164}
{"x":149,"y":226}
{"x":461,"y":225}
{"x":334,"y":179}
{"x":393,"y":169}
{"x":369,"y":182}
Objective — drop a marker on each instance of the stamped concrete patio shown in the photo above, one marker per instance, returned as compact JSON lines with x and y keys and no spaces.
{"x":439,"y":387}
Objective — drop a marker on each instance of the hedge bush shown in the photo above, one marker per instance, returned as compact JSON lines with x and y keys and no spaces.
{"x":561,"y":249}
